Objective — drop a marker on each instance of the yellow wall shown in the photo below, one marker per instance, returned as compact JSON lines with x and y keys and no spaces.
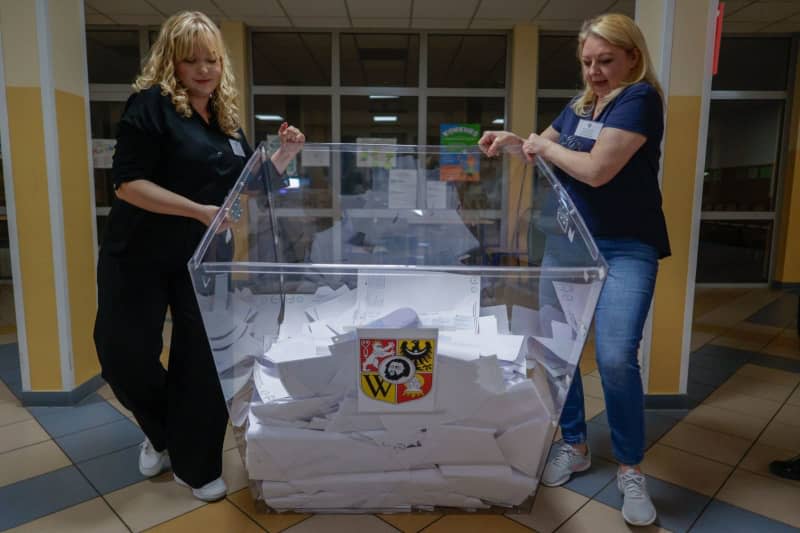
{"x":787,"y":254}
{"x":682,"y":149}
{"x":680,"y":156}
{"x":72,"y":135}
{"x":33,"y":232}
{"x":521,"y":118}
{"x":235,"y":36}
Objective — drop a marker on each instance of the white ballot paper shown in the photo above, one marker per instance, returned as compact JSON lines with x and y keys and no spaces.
{"x":397,"y":370}
{"x":456,"y":305}
{"x":437,"y":194}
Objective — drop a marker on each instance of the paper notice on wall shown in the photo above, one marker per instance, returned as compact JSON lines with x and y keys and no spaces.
{"x":402,"y":188}
{"x":366,"y":158}
{"x":436,"y":197}
{"x":103,"y":152}
{"x":316,"y":157}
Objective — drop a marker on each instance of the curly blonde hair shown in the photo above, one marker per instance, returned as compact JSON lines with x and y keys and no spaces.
{"x":176,"y":42}
{"x":619,"y":30}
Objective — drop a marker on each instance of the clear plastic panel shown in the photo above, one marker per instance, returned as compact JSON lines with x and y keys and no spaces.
{"x":409,"y":348}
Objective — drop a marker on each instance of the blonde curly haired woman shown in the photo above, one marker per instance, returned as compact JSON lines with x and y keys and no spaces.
{"x":179,"y":150}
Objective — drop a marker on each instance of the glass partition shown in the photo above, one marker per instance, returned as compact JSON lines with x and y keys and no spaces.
{"x":407,"y":353}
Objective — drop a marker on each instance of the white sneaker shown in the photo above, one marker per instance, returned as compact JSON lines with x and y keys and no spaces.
{"x":151,"y":461}
{"x":566,"y":462}
{"x":637,"y":507}
{"x":210,"y":492}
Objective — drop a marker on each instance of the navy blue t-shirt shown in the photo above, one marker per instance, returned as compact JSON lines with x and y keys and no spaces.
{"x":628,"y":206}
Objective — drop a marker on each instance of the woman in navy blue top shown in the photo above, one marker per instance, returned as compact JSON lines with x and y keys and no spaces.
{"x":606,"y":146}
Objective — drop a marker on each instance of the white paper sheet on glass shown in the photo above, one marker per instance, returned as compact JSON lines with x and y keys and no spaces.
{"x":436,"y":197}
{"x":366,"y":158}
{"x":402,"y":188}
{"x":318,"y":157}
{"x":103,"y":152}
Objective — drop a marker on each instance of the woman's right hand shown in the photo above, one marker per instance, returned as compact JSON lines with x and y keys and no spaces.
{"x":492,"y":142}
{"x":206,"y":214}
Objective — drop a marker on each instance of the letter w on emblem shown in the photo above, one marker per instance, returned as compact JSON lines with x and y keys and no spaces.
{"x":378,"y":387}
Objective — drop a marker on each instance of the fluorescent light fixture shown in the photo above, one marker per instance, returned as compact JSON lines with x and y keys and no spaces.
{"x":499,"y":121}
{"x":382,"y":97}
{"x":270,"y":118}
{"x":294,"y":183}
{"x":384,"y":118}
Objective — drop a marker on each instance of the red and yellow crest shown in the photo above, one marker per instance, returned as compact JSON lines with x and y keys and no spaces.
{"x":396,"y":371}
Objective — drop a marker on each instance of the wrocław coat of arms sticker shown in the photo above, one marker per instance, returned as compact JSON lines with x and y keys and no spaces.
{"x":396,"y":369}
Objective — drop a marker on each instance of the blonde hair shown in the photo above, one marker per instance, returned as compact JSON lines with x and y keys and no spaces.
{"x":176,"y":42}
{"x":619,"y":30}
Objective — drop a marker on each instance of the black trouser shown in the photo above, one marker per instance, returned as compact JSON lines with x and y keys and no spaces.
{"x":180,"y":409}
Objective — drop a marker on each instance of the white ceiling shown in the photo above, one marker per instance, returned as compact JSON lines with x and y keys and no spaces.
{"x":741,"y":16}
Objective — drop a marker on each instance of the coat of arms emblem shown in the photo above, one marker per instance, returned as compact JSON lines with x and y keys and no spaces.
{"x":396,"y":369}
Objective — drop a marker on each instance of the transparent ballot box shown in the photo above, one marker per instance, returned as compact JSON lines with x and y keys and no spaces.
{"x":410,"y":345}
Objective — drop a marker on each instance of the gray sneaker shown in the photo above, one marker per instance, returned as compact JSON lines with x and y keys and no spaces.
{"x":566,"y":462}
{"x":637,"y":507}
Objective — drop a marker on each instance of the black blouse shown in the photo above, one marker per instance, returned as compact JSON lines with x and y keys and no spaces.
{"x":184,"y":155}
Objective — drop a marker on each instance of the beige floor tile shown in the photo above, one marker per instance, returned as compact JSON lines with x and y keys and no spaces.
{"x":551,"y":508}
{"x":342,"y":524}
{"x":599,"y":518}
{"x":410,"y":522}
{"x":272,"y":522}
{"x":700,"y":339}
{"x":781,"y":436}
{"x":593,"y":387}
{"x":233,"y":471}
{"x":106,"y":392}
{"x":21,"y":434}
{"x":725,"y":421}
{"x":230,"y":439}
{"x":790,"y":332}
{"x":475,"y":523}
{"x":593,"y":406}
{"x":760,"y":456}
{"x":766,"y":390}
{"x":33,"y":460}
{"x":707,"y":443}
{"x":784,"y":347}
{"x":12,"y":412}
{"x":93,"y":516}
{"x":748,"y":405}
{"x":708,"y":299}
{"x":794,"y":399}
{"x":739,"y":309}
{"x":6,"y":396}
{"x":771,"y":375}
{"x":221,"y":516}
{"x":685,"y":469}
{"x":152,"y":502}
{"x":789,"y":414}
{"x":763,"y":495}
{"x":747,"y":336}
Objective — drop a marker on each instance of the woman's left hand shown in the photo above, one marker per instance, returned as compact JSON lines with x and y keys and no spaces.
{"x":534,"y":145}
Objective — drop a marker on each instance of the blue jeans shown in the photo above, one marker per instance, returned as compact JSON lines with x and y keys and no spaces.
{"x":619,"y":319}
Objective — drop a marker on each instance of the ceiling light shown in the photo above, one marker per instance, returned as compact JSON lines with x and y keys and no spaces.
{"x":499,"y":121}
{"x":382,"y":97}
{"x":384,"y":118}
{"x":270,"y":118}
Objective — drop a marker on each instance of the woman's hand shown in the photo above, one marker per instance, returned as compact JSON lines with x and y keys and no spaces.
{"x":292,"y":141}
{"x":206,"y":214}
{"x":492,"y":142}
{"x":535,"y":145}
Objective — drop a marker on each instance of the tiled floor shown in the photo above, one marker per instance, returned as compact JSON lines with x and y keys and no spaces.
{"x":74,"y":468}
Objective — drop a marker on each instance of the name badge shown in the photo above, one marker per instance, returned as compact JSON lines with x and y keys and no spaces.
{"x":588,"y":129}
{"x":237,"y":147}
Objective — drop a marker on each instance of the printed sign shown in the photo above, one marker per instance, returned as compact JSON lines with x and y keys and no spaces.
{"x":456,"y":162}
{"x":396,"y":370}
